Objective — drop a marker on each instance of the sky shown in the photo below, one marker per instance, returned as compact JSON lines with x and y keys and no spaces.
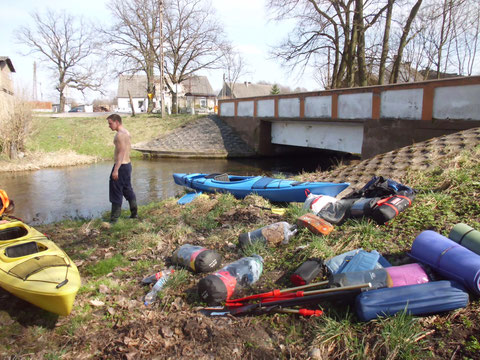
{"x":246,"y":23}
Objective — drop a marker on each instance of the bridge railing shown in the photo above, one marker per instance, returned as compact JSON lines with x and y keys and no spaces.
{"x":454,"y":98}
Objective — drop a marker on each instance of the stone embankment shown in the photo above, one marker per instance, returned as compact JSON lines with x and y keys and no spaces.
{"x":207,"y":137}
{"x":397,"y":164}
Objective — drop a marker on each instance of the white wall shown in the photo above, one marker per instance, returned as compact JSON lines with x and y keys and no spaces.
{"x":401,"y":104}
{"x":355,"y":106}
{"x":266,"y":108}
{"x":347,"y":137}
{"x":457,"y":102}
{"x":245,"y":108}
{"x":227,"y":109}
{"x":289,"y":107}
{"x":318,"y":106}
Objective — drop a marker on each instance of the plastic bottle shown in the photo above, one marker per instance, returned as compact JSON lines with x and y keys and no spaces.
{"x":162,"y":278}
{"x":277,"y":233}
{"x":221,"y":285}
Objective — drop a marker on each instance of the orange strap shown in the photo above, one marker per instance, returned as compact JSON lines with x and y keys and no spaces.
{"x":5,"y":201}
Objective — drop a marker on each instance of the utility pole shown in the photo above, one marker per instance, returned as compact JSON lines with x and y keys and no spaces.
{"x":162,"y":96}
{"x":34,"y":81}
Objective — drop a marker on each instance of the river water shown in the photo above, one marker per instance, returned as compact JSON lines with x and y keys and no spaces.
{"x":54,"y":194}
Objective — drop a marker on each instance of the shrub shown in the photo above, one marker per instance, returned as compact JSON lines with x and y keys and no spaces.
{"x":15,"y":121}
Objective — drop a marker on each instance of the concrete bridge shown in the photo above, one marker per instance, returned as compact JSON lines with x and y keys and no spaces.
{"x":367,"y":121}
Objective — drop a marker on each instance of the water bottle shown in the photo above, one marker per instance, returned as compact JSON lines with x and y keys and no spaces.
{"x":221,"y":285}
{"x":275,"y":234}
{"x":162,"y":278}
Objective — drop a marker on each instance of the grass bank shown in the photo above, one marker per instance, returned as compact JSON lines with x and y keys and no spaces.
{"x":110,"y":321}
{"x":67,"y":141}
{"x":92,"y":136}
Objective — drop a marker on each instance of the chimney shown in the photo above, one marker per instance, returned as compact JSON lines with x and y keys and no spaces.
{"x":246,"y":83}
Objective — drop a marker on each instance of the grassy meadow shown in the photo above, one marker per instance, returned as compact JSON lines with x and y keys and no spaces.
{"x":109,"y":320}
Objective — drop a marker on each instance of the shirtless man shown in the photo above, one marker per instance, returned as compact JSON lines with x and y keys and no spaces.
{"x":120,"y":178}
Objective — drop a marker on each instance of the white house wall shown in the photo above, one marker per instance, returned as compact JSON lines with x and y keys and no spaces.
{"x":346,"y":137}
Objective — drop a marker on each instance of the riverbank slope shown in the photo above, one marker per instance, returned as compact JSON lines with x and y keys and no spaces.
{"x":110,"y":321}
{"x":68,"y":141}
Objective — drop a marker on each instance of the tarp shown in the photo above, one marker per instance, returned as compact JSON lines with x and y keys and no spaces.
{"x":448,"y":258}
{"x":420,"y":299}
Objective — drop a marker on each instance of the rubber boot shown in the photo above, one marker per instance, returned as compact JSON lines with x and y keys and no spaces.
{"x":133,"y":209}
{"x":115,"y":214}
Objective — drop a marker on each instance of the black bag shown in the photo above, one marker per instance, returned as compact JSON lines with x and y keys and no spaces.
{"x":381,"y":187}
{"x":363,"y":207}
{"x":307,"y":272}
{"x":390,"y":207}
{"x":336,"y":213}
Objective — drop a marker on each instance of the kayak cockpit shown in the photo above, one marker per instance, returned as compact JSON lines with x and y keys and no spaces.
{"x":13,"y":233}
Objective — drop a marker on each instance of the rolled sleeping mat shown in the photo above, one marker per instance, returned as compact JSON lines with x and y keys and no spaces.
{"x":409,"y":274}
{"x":419,"y":299}
{"x":448,"y":258}
{"x":466,"y":236}
{"x":197,"y":258}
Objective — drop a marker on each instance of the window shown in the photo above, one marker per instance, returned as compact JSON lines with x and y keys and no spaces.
{"x":203,"y":102}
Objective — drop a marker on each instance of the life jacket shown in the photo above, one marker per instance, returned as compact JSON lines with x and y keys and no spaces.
{"x":4,"y":200}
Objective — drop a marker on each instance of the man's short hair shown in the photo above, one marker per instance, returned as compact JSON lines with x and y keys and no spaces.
{"x":115,"y":117}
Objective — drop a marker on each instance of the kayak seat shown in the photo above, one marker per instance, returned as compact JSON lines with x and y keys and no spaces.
{"x":22,"y":249}
{"x":13,"y":233}
{"x":218,"y":177}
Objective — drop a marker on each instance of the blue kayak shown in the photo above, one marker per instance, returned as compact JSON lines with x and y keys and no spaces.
{"x":277,"y":190}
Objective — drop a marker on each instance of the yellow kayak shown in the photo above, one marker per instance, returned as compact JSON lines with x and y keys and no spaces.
{"x":35,"y":269}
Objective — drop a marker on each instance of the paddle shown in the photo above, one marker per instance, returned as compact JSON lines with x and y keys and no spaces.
{"x":187,"y":198}
{"x":260,"y":307}
{"x":277,"y":292}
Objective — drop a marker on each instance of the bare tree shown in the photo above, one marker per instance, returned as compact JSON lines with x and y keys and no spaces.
{"x":404,"y":41}
{"x":385,"y":43}
{"x":134,"y":39}
{"x":194,"y":40}
{"x":66,"y":43}
{"x":328,"y":31}
{"x":233,"y":65}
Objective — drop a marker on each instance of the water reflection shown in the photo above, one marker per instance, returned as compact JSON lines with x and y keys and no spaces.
{"x":49,"y":195}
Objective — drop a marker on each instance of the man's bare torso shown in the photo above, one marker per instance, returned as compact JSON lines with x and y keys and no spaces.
{"x":122,"y":137}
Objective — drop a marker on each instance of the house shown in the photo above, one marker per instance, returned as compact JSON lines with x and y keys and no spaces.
{"x":6,"y":87}
{"x":195,"y":94}
{"x":6,"y":69}
{"x":243,"y":90}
